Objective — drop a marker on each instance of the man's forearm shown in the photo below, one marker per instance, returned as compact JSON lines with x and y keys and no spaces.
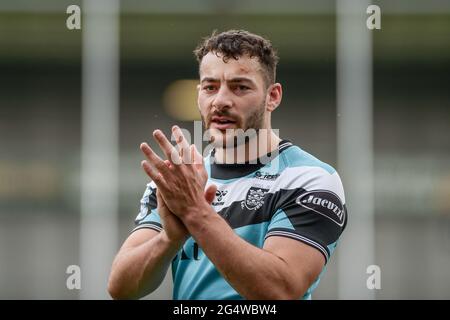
{"x":138,"y":271}
{"x":253,"y":272}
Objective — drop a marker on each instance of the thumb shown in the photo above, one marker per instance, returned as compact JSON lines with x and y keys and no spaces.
{"x":210,"y":193}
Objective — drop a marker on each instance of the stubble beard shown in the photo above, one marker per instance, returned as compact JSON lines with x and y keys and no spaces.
{"x":254,"y":121}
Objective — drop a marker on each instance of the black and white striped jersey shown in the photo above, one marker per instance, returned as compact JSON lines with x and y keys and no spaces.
{"x":293,"y":195}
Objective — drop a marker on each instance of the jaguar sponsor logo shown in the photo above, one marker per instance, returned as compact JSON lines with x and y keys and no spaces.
{"x":254,"y":199}
{"x":325,"y":203}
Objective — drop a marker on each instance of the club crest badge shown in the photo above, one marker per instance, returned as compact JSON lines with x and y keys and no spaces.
{"x":254,"y":199}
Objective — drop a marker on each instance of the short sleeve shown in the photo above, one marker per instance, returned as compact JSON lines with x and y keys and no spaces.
{"x":313,"y":213}
{"x":148,"y":216}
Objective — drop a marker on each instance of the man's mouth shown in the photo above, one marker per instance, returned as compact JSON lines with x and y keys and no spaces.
{"x":222,"y":123}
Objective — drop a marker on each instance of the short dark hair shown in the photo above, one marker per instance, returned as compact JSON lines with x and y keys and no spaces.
{"x":236,"y":43}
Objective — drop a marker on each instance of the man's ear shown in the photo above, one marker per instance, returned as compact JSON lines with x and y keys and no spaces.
{"x":274,"y":96}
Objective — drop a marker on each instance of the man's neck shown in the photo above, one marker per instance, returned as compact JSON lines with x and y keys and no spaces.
{"x":249,"y":152}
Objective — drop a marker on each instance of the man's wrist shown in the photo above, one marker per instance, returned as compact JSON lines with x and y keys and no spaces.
{"x":196,"y":214}
{"x":172,"y":244}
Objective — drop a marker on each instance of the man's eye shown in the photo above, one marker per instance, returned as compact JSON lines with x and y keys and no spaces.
{"x":208,"y":88}
{"x":243,"y":88}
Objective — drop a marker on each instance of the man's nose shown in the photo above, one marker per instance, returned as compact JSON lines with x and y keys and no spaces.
{"x":222,"y":100}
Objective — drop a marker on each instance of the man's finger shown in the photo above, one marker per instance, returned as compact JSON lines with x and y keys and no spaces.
{"x":168,"y":149}
{"x":168,"y":164}
{"x":196,"y":156}
{"x":210,"y":193}
{"x":153,"y":158}
{"x":154,"y":174}
{"x":182,"y":144}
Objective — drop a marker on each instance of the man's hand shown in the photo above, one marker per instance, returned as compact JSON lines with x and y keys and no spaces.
{"x":182,"y":178}
{"x":173,"y":227}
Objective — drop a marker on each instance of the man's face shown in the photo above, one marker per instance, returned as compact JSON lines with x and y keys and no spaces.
{"x":231,"y":96}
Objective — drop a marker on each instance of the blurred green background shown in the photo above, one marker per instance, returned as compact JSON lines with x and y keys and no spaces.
{"x":40,"y":126}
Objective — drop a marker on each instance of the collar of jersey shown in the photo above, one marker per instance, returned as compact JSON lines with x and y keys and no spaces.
{"x":227,"y":171}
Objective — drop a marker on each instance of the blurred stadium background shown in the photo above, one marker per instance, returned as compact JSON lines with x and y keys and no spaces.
{"x":42,"y":103}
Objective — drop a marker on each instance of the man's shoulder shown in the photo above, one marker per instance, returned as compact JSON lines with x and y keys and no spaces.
{"x":300,"y":169}
{"x":296,"y":158}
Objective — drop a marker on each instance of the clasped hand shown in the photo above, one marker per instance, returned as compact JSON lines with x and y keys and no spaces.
{"x":182,"y":178}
